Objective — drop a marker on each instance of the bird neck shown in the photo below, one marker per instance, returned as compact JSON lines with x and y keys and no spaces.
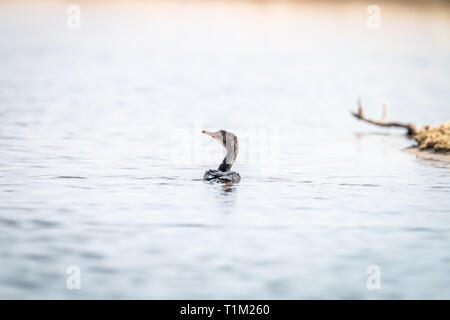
{"x":224,"y":166}
{"x":230,"y":157}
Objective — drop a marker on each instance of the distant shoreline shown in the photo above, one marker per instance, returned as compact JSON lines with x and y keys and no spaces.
{"x":428,"y":154}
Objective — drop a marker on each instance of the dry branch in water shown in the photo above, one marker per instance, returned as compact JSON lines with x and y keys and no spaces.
{"x":428,"y":138}
{"x":437,"y":138}
{"x":412,"y":129}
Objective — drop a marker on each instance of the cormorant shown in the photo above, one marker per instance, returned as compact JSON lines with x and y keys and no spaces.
{"x":223,"y":173}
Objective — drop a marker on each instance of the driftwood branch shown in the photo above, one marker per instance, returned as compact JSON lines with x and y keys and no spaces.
{"x":412,"y":129}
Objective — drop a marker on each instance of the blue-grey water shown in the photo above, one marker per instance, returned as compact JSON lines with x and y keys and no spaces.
{"x":101,"y":151}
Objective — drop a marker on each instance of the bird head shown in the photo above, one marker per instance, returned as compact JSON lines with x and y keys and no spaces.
{"x":219,"y":136}
{"x":229,"y":141}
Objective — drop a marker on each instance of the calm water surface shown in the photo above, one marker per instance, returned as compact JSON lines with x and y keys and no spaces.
{"x":101,"y":151}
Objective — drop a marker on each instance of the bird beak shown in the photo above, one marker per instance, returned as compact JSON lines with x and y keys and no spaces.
{"x":214,"y":135}
{"x":208,"y":133}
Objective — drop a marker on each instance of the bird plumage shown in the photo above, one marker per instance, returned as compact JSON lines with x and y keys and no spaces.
{"x":223,"y":173}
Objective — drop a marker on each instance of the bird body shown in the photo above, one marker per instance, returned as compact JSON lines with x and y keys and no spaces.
{"x":223,"y":173}
{"x":221,"y":177}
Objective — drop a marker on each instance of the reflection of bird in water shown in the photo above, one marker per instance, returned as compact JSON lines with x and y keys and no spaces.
{"x":223,"y":174}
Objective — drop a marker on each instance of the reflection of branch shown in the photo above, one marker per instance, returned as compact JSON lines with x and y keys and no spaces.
{"x":412,"y":129}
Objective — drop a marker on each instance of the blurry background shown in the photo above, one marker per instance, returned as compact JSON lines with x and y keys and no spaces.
{"x":90,"y":123}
